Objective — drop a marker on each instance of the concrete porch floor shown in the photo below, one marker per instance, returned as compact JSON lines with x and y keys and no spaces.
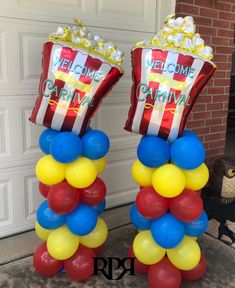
{"x":220,"y":274}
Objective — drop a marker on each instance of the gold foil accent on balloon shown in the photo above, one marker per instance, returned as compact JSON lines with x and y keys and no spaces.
{"x":72,"y":81}
{"x":68,"y":36}
{"x":160,"y":108}
{"x":63,"y":106}
{"x":169,"y":82}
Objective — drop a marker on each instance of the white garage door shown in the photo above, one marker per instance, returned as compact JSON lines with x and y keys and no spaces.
{"x":24,"y":25}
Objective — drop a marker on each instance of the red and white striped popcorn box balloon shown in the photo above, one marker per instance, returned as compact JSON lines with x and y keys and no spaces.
{"x":166,"y":84}
{"x":71,"y":87}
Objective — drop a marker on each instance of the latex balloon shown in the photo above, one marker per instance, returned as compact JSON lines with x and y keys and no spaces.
{"x":43,"y":263}
{"x":49,"y":171}
{"x":94,"y":194}
{"x":81,"y":173}
{"x":190,"y":133}
{"x":62,"y":244}
{"x":100,"y":164}
{"x":153,"y":151}
{"x":47,"y":218}
{"x":142,"y":174}
{"x":138,"y":266}
{"x":167,"y":231}
{"x":82,"y":220}
{"x":66,"y":147}
{"x":184,"y":146}
{"x":164,"y":275}
{"x":168,"y":181}
{"x":97,"y":237}
{"x":198,"y":272}
{"x":44,"y":189}
{"x":95,"y":144}
{"x":186,"y":255}
{"x":63,"y":198}
{"x":138,"y":220}
{"x":146,"y":250}
{"x":99,"y":209}
{"x":150,"y":204}
{"x":41,"y":232}
{"x":186,"y":207}
{"x":45,"y":140}
{"x":81,"y":265}
{"x":197,"y":178}
{"x":198,"y":226}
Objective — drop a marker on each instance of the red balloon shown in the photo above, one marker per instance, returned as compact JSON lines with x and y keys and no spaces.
{"x":186,"y":207}
{"x":164,"y":275}
{"x":138,"y":266}
{"x":63,"y":198}
{"x":150,"y":204}
{"x":43,"y":263}
{"x":98,"y":249}
{"x":198,"y":272}
{"x":44,"y":189}
{"x":81,"y":265}
{"x":94,"y":194}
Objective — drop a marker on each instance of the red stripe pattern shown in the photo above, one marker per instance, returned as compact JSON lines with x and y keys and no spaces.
{"x":170,"y":95}
{"x":63,"y":114}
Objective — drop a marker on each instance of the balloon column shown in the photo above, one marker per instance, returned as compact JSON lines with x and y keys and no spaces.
{"x":79,"y":69}
{"x":69,"y":219}
{"x":170,"y":169}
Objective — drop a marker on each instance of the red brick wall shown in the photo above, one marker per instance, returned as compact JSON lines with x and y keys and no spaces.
{"x":215,"y":22}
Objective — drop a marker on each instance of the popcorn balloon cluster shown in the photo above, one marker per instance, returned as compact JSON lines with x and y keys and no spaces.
{"x":168,"y":71}
{"x":69,"y":221}
{"x":79,"y":69}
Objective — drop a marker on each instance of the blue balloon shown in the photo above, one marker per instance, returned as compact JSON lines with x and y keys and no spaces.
{"x":66,"y":147}
{"x":190,"y":133}
{"x":45,"y":140}
{"x":100,"y":207}
{"x":95,"y":144}
{"x":187,"y":152}
{"x":47,"y":218}
{"x":197,"y":227}
{"x":82,"y":220}
{"x":167,"y":231}
{"x":153,"y":151}
{"x":138,"y":220}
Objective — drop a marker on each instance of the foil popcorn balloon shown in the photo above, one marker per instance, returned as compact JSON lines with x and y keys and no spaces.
{"x":79,"y":69}
{"x":168,"y":71}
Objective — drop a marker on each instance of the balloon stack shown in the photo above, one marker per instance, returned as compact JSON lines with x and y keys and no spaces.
{"x":169,"y":209}
{"x":169,"y":71}
{"x":79,"y":70}
{"x":69,"y":221}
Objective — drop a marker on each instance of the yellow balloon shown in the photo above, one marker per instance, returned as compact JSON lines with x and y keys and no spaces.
{"x":81,"y":173}
{"x":62,"y":244}
{"x":197,"y":178}
{"x":97,"y":237}
{"x":186,"y":255}
{"x":146,"y":250}
{"x":142,"y":174}
{"x":100,"y":164}
{"x":168,"y":181}
{"x":49,"y":171}
{"x":41,"y":232}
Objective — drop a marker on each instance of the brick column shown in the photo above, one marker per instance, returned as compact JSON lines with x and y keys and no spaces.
{"x":214,"y":20}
